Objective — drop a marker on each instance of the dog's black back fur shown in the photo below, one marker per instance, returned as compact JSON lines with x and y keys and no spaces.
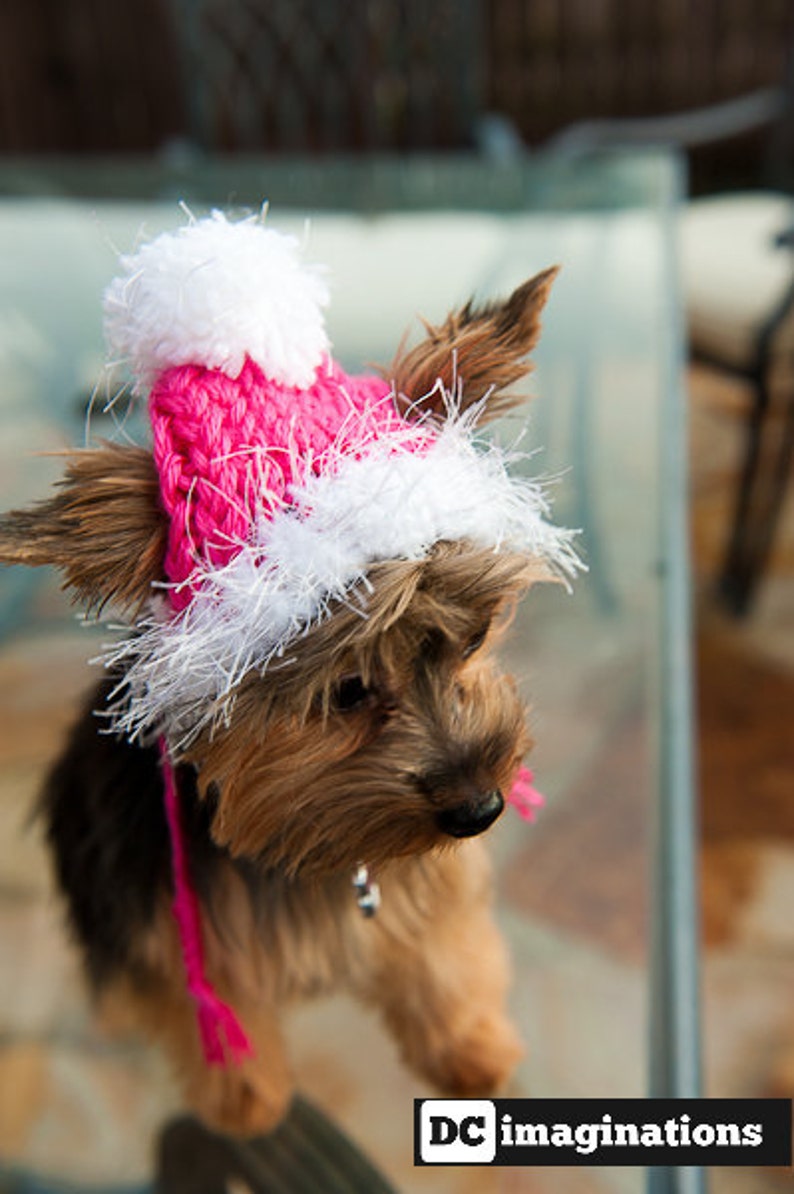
{"x":105,"y":821}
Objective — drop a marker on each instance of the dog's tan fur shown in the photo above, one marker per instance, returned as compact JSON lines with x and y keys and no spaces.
{"x":104,"y":528}
{"x":303,"y":784}
{"x":432,"y":963}
{"x":477,"y":355}
{"x":426,"y":704}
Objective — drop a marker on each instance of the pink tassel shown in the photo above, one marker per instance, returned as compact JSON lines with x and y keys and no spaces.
{"x":223,"y":1038}
{"x":525,"y":798}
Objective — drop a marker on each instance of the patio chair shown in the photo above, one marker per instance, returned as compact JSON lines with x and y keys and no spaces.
{"x":305,"y":1154}
{"x":737,"y":277}
{"x":292,"y":76}
{"x":738,"y":280}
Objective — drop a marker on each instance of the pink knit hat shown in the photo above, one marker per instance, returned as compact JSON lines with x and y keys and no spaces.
{"x":284,"y":478}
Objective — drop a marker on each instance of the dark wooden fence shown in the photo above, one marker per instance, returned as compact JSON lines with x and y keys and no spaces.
{"x":558,"y":61}
{"x":92,"y":76}
{"x":88,"y":76}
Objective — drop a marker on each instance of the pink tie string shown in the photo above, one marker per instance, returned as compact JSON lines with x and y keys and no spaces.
{"x":223,"y":1038}
{"x":524,"y":797}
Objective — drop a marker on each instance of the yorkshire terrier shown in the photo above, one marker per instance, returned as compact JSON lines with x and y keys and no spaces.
{"x":279,"y":788}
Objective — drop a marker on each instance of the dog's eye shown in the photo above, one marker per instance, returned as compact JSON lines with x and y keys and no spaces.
{"x":475,"y":642}
{"x":350,"y":693}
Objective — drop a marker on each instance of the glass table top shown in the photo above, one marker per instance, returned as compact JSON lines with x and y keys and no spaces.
{"x":595,"y":897}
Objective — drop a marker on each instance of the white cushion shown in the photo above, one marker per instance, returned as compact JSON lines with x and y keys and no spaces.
{"x":734,"y":276}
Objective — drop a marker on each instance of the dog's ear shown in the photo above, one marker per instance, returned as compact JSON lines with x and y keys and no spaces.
{"x":476,"y":354}
{"x":104,"y":528}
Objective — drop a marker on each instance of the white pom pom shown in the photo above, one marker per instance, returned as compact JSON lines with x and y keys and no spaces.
{"x":213,"y":293}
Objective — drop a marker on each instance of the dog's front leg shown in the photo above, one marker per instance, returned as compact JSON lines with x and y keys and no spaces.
{"x":439,"y":973}
{"x":244,"y":1099}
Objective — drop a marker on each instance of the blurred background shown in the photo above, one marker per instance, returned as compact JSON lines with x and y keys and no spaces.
{"x":168,"y":89}
{"x":348,"y":76}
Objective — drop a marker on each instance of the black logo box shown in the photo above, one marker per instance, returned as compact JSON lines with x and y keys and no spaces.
{"x":773,"y":1115}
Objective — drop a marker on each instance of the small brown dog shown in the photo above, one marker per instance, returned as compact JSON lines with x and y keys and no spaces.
{"x":315,"y":569}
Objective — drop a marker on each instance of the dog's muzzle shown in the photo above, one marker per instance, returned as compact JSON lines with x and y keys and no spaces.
{"x":472,"y":817}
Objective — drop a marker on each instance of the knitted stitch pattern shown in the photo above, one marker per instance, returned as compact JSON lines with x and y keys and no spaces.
{"x":228,"y":451}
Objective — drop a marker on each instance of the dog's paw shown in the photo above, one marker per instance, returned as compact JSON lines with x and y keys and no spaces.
{"x":237,"y":1102}
{"x":477,"y":1062}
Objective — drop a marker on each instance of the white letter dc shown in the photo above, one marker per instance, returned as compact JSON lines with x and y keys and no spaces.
{"x":457,"y":1131}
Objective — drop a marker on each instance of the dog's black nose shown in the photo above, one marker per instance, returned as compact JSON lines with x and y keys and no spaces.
{"x":466,"y":820}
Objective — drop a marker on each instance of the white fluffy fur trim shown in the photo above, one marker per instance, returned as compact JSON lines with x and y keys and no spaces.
{"x":213,"y":292}
{"x":180,"y":672}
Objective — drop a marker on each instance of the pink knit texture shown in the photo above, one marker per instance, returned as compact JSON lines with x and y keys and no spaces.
{"x":223,"y":1038}
{"x":228,"y":450}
